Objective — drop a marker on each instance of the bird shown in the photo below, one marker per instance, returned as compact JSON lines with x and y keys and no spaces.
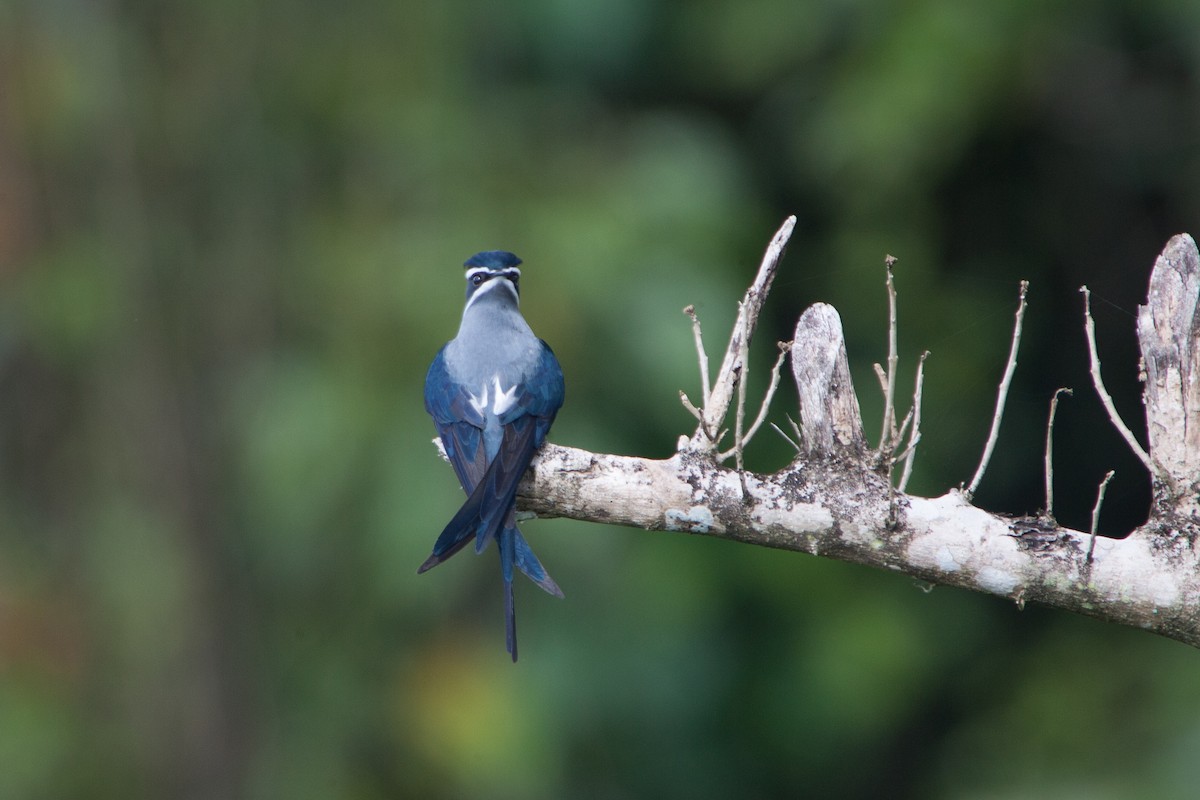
{"x":493,"y":392}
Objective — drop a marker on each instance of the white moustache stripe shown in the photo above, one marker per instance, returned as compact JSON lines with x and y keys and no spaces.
{"x":491,"y":286}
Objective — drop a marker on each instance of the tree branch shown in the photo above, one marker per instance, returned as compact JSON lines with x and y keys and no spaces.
{"x":833,"y":508}
{"x":835,"y":499}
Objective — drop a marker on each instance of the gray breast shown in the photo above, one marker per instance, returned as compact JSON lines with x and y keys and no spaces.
{"x":493,"y":352}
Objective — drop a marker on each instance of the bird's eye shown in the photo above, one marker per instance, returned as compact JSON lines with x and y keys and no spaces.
{"x":516,"y":279}
{"x":477,"y":279}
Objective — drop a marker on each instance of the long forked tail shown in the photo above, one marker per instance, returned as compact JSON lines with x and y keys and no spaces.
{"x":528,"y":563}
{"x":507,"y":546}
{"x":510,"y":620}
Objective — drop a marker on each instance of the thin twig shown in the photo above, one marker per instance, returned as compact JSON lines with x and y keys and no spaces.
{"x":784,"y":349}
{"x":787,"y":438}
{"x":1002,"y":395}
{"x":893,"y":460}
{"x":739,"y":419}
{"x":1050,"y":449}
{"x":910,"y":452}
{"x":705,"y":386}
{"x":903,"y":454}
{"x":739,"y":441}
{"x":882,"y":376}
{"x":795,"y":428}
{"x":1096,"y":514}
{"x":1089,"y":327}
{"x":695,"y":412}
{"x":767,"y":398}
{"x":903,"y":429}
{"x":887,"y":438}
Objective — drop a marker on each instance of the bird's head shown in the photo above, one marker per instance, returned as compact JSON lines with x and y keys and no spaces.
{"x":493,"y":274}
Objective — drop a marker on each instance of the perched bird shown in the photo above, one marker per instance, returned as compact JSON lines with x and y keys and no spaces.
{"x":493,"y":391}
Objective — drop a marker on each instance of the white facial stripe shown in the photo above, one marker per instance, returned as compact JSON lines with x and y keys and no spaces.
{"x":495,"y":272}
{"x":489,"y":286}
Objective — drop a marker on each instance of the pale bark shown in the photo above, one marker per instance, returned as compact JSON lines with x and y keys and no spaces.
{"x":835,"y":499}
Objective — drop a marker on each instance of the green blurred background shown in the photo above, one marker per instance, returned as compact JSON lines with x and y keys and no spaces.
{"x":230,"y":238}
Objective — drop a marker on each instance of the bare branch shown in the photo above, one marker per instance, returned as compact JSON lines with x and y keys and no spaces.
{"x":1002,"y":394}
{"x":776,"y":370}
{"x":721,"y":395}
{"x":787,"y":438}
{"x":705,"y":386}
{"x":835,"y":508}
{"x":887,"y":438}
{"x":833,"y":500}
{"x":903,"y":429}
{"x":1096,"y":514}
{"x":1089,"y":327}
{"x":914,"y":438}
{"x":767,"y":398}
{"x":695,"y":412}
{"x":1049,"y":470}
{"x":795,"y":428}
{"x":739,"y":419}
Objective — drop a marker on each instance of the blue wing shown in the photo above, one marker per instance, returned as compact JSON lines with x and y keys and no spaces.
{"x":491,"y":487}
{"x":489,"y":503}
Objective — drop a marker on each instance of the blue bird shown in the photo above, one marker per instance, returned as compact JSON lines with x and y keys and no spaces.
{"x":493,"y":391}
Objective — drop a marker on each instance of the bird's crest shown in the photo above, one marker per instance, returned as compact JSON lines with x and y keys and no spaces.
{"x":493,"y":259}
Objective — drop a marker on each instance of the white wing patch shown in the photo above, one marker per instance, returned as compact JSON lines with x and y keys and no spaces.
{"x":503,"y":402}
{"x":479,"y":403}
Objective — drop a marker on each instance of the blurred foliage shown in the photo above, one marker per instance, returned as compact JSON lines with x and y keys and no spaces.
{"x":230,"y":238}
